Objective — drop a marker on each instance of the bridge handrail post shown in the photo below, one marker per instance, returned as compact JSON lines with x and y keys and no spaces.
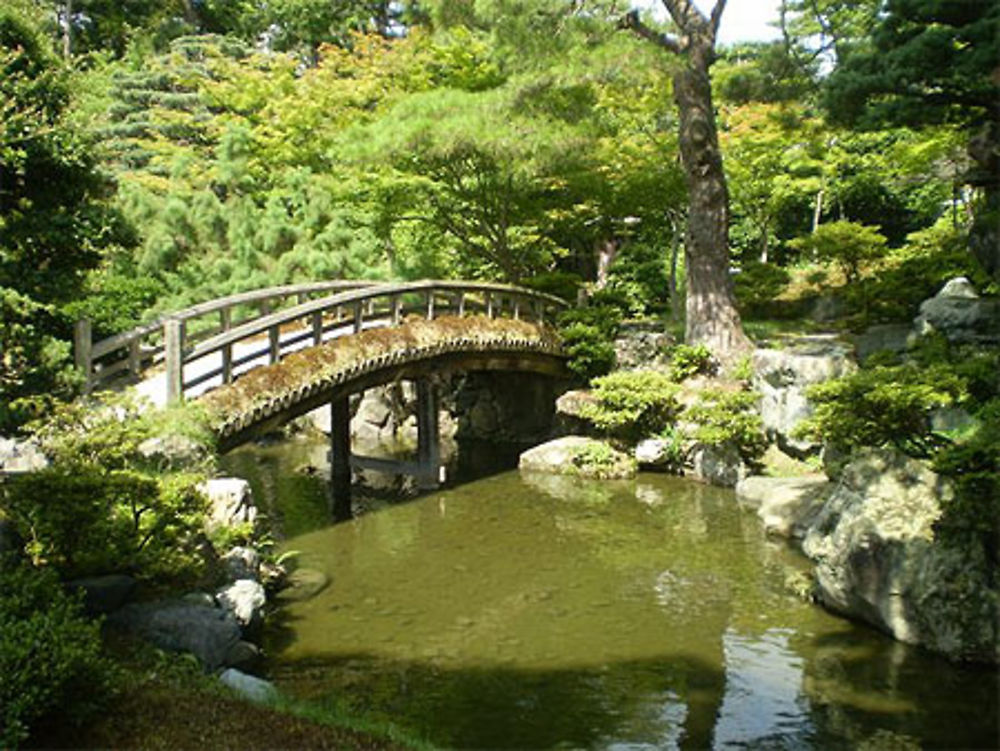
{"x":489,"y":305}
{"x":430,"y":305}
{"x":395,"y":304}
{"x":359,"y":317}
{"x":173,"y":341}
{"x":225,"y":323}
{"x":515,"y":301}
{"x":83,"y":351}
{"x":460,"y":304}
{"x":317,"y":328}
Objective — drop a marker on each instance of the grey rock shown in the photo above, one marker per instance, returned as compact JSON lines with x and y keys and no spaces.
{"x":230,"y":502}
{"x":655,"y":453}
{"x":172,"y":451}
{"x":787,"y":506}
{"x":206,"y":632}
{"x":958,"y":287}
{"x":878,"y":560}
{"x":828,"y":308}
{"x":303,"y":584}
{"x":884,"y":337}
{"x":782,"y":376}
{"x":249,"y":686}
{"x":245,"y":599}
{"x":241,"y":563}
{"x":21,"y":456}
{"x":961,"y":318}
{"x":103,"y":594}
{"x":557,"y":457}
{"x":243,"y":655}
{"x":569,"y":419}
{"x":483,"y":420}
{"x":948,"y":419}
{"x":642,"y":344}
{"x":717,"y":465}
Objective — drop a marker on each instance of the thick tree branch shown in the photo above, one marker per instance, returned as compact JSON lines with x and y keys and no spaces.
{"x":716,"y":19}
{"x":633,"y":22}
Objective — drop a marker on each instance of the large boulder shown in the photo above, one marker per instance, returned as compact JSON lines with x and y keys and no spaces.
{"x":878,"y":559}
{"x":719,"y":464}
{"x":960,"y":315}
{"x":788,"y":506}
{"x":207,"y":632}
{"x":782,"y":376}
{"x":230,"y":502}
{"x":578,"y":455}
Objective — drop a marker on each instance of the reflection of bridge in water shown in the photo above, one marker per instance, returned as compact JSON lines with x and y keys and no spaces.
{"x":259,"y":359}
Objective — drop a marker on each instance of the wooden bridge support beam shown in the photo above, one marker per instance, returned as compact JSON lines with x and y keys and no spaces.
{"x":340,"y":458}
{"x":428,"y":440}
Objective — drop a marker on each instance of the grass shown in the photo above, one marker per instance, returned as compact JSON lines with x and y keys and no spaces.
{"x":165,"y":702}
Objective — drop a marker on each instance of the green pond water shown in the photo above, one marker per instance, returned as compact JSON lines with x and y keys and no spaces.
{"x":532,"y":611}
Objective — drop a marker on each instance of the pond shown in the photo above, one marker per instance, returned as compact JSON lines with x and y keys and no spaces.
{"x":538,"y":611}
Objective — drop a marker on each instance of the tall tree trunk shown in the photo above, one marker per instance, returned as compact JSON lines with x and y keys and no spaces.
{"x":67,"y":37}
{"x":712,"y":318}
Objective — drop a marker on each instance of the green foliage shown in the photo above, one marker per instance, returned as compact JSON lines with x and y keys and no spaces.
{"x":102,"y":506}
{"x":848,"y":245}
{"x":919,"y":269}
{"x":591,"y":354}
{"x":757,"y":285}
{"x":559,"y":283}
{"x":974,"y":466}
{"x":884,"y":406}
{"x":602,"y":461}
{"x":55,"y":222}
{"x":731,"y":417}
{"x":588,"y":334}
{"x":633,"y":404}
{"x":89,"y":522}
{"x":51,"y":669}
{"x":689,"y":360}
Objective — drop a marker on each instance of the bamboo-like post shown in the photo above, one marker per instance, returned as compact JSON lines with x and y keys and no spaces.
{"x":396,"y":305}
{"x":83,"y":352}
{"x":460,"y":304}
{"x":430,"y":305}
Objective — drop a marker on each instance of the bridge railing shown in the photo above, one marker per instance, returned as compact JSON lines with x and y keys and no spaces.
{"x":130,"y":353}
{"x":271,"y":335}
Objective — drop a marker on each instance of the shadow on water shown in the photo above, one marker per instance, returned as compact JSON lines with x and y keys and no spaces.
{"x":504,"y":706}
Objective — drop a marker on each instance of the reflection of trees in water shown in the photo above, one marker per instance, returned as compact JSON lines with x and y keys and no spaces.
{"x":508,"y":707}
{"x":882,"y":694}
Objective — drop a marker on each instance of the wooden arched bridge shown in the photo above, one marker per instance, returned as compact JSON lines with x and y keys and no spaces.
{"x":261,"y":358}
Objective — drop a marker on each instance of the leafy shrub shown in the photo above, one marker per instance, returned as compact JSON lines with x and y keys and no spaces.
{"x":632,"y":404}
{"x":729,"y":417}
{"x":974,"y":466}
{"x":689,"y":360}
{"x":882,"y":406}
{"x":86,"y":521}
{"x":758,"y":284}
{"x":50,"y":658}
{"x":590,"y":353}
{"x":848,"y":245}
{"x":918,"y":270}
{"x":603,"y":462}
{"x":588,"y":335}
{"x":102,"y":506}
{"x":604,"y":318}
